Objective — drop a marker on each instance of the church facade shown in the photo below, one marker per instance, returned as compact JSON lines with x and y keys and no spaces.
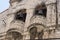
{"x":31,"y":20}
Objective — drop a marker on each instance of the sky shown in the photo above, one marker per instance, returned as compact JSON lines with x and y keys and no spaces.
{"x":4,"y":4}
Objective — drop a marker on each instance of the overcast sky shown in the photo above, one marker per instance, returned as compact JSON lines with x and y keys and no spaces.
{"x":4,"y":4}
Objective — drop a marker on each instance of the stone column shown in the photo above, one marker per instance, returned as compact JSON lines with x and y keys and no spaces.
{"x":58,"y":10}
{"x":27,"y":23}
{"x":51,"y":14}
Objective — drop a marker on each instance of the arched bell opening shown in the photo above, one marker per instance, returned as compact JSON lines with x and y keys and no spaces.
{"x":40,"y":14}
{"x":13,"y":35}
{"x":41,"y":10}
{"x":21,"y":15}
{"x":36,"y":32}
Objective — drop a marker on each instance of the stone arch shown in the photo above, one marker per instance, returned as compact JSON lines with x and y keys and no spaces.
{"x":31,"y":25}
{"x":37,"y":31}
{"x":13,"y":34}
{"x":13,"y":29}
{"x":38,"y":19}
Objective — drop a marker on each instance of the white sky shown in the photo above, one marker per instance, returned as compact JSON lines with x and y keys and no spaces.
{"x":4,"y":4}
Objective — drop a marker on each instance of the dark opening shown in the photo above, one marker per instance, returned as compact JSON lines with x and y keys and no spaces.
{"x":21,"y":15}
{"x":41,"y":10}
{"x":33,"y":32}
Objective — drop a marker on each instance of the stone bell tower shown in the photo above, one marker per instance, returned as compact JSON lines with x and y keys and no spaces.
{"x":30,"y":20}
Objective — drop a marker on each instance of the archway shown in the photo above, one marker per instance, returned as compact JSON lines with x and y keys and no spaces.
{"x":36,"y":31}
{"x":13,"y":35}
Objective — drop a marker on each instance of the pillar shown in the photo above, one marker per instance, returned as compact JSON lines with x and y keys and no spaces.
{"x":51,"y":14}
{"x":27,"y":23}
